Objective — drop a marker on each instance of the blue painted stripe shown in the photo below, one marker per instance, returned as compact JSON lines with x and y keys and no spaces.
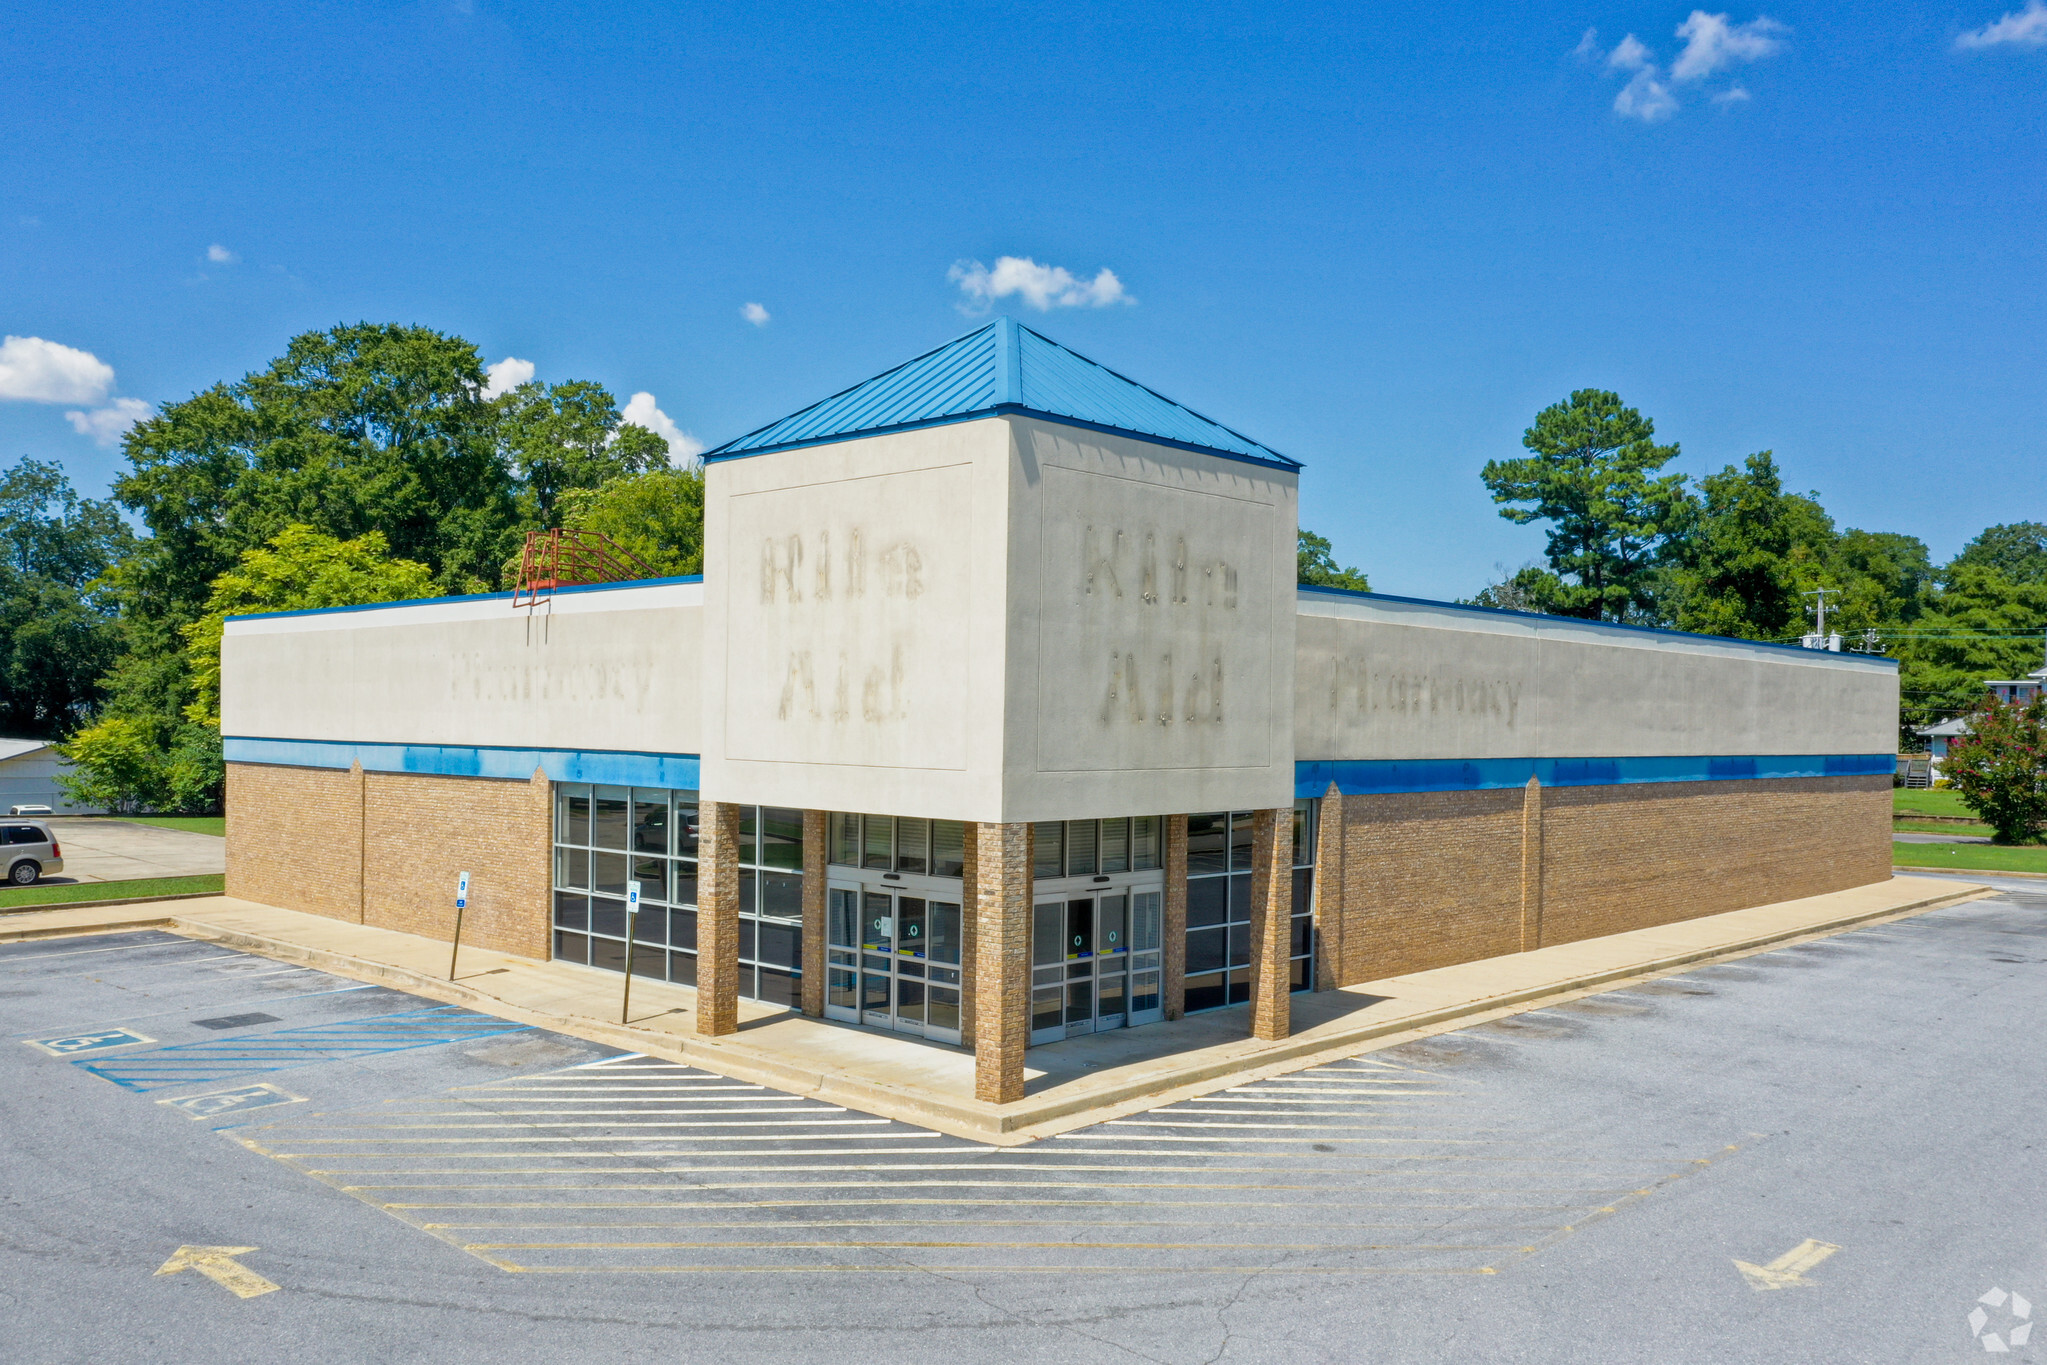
{"x":471,"y":597}
{"x":1360,"y":777}
{"x":611,"y":767}
{"x":223,"y":1059}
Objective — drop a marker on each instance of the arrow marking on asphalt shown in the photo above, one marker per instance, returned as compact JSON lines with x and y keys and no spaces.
{"x":1789,"y":1269}
{"x":218,"y":1264}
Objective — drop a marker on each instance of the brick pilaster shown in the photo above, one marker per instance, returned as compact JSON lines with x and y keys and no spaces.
{"x":717,"y":918}
{"x":1531,"y":866}
{"x":1002,"y":960}
{"x":815,"y":834}
{"x":1329,"y":917}
{"x":970,"y":926}
{"x":1173,"y":927}
{"x":1271,"y":922}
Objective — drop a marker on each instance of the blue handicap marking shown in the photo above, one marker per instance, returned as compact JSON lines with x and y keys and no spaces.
{"x":97,"y":1041}
{"x":239,"y":1056}
{"x":219,"y":1102}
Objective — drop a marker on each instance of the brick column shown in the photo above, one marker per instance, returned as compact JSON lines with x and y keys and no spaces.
{"x":1002,"y":960}
{"x":1173,"y":924}
{"x":1271,"y":922}
{"x":815,"y":853}
{"x":970,"y":927}
{"x":717,"y":918}
{"x":1531,"y":866}
{"x":1330,"y":966}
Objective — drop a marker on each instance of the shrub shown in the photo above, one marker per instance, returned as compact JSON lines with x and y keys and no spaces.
{"x":1996,"y":767}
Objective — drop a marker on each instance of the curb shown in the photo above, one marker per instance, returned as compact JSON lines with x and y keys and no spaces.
{"x":47,"y":906}
{"x":1024,"y":1121}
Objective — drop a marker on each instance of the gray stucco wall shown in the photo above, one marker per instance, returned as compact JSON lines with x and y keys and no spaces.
{"x":1379,"y":678}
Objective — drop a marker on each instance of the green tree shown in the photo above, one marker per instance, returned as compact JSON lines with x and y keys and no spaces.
{"x":1318,"y":567}
{"x":298,"y":569}
{"x":1977,"y":625}
{"x":658,"y":516}
{"x":1749,"y":553}
{"x":2017,"y":549}
{"x":357,"y":429}
{"x":1996,"y":767}
{"x":58,"y":631}
{"x":563,"y":437}
{"x":1591,"y":473}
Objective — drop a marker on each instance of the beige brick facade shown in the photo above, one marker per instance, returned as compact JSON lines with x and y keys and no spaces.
{"x":1413,"y":881}
{"x":1173,"y":923}
{"x":1002,"y":960}
{"x":1271,"y":923}
{"x":717,"y":918}
{"x":385,"y":849}
{"x":814,"y":851}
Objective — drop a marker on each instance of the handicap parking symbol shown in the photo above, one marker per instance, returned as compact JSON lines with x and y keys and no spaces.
{"x":219,"y":1102}
{"x":98,"y":1041}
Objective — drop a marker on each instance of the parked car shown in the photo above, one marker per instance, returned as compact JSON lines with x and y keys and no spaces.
{"x":30,"y":810}
{"x":29,"y":849}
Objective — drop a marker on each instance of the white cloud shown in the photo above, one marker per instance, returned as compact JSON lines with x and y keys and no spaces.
{"x":506,"y":375}
{"x":2019,"y":28}
{"x":641,"y":411}
{"x":1628,"y":55}
{"x":1711,"y":44}
{"x":36,"y":371}
{"x":107,"y":425}
{"x":1645,"y":97}
{"x":220,"y":255}
{"x":755,"y":314}
{"x":1043,"y":287}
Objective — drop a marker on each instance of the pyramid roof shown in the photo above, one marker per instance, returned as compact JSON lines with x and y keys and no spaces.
{"x":1003,"y":367}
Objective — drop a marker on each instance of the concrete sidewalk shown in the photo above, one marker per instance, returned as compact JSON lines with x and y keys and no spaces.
{"x":1070,"y":1084}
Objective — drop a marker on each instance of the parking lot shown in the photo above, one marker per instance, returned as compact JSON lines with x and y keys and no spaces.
{"x":314,"y":1160}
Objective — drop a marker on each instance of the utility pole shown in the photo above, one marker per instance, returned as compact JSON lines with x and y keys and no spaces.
{"x":1819,"y":639}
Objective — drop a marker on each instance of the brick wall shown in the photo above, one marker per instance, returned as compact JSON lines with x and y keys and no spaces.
{"x":294,"y":838}
{"x":385,"y":849}
{"x":1434,"y":878}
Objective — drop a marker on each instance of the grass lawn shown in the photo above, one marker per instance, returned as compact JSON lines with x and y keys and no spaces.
{"x":60,"y":893}
{"x":1926,"y":801}
{"x":1940,"y":827}
{"x":198,"y":824}
{"x":1962,"y":857}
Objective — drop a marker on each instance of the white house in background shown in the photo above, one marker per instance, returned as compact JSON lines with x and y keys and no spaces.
{"x":28,"y":776}
{"x":1940,"y":737}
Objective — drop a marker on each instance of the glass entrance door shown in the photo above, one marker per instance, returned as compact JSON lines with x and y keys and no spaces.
{"x":1094,"y":962}
{"x":893,"y":961}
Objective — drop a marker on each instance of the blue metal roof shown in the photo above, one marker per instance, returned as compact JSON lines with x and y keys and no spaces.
{"x":1003,"y":367}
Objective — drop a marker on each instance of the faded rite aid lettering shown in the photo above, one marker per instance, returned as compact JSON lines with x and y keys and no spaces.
{"x":896,"y":572}
{"x":1142,"y":688}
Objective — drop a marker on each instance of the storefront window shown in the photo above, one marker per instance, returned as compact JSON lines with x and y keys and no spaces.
{"x":607,"y":836}
{"x":1218,"y":964}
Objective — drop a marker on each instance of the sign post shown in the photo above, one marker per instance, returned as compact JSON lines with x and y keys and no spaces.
{"x":632,"y":914}
{"x":461,"y":904}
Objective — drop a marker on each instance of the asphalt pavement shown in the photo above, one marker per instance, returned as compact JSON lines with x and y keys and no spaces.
{"x":99,"y":849}
{"x":1854,"y":1119}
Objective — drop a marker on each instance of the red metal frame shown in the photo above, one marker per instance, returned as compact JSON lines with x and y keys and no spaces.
{"x":570,"y":558}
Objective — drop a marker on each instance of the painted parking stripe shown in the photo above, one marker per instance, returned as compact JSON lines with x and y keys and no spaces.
{"x":570,"y":1174}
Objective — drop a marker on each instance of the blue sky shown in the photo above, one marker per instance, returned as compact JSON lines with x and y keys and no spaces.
{"x":1376,"y":237}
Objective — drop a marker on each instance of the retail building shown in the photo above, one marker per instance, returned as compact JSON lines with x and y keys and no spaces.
{"x":998,"y":717}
